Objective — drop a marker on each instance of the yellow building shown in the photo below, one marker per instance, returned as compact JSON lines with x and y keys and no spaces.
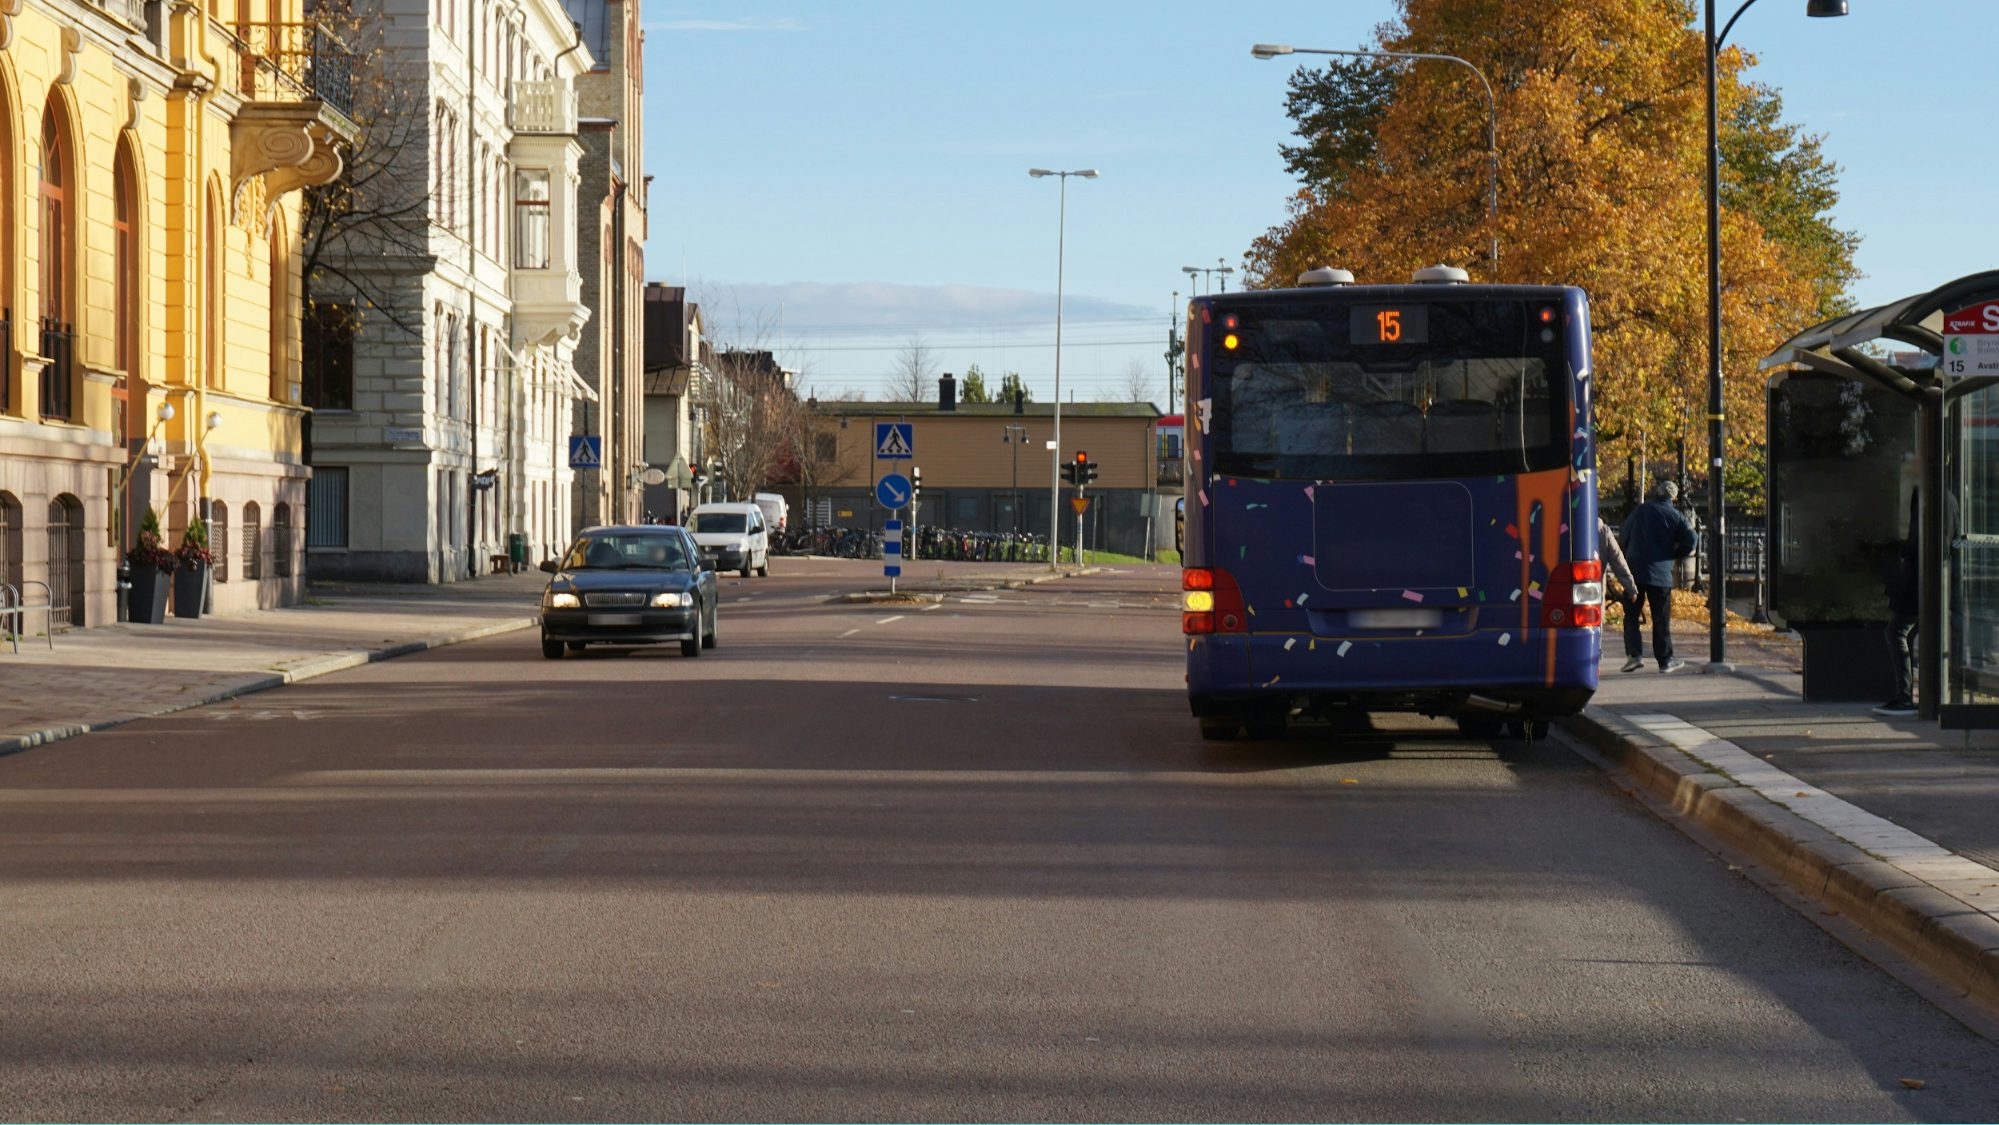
{"x":152,"y":154}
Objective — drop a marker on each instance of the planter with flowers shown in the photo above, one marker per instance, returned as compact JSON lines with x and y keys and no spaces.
{"x":151,"y":565}
{"x":191,"y":580}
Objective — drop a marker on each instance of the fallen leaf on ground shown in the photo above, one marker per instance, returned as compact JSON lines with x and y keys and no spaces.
{"x":1349,"y":781}
{"x":1913,"y":1083}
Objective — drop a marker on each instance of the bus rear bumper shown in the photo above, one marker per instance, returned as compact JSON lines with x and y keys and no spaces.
{"x":1229,"y":675}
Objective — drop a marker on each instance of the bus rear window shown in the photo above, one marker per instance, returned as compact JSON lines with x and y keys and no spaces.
{"x":1439,"y":389}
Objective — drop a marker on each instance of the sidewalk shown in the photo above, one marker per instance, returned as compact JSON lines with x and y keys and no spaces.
{"x":1891,"y":823}
{"x":112,"y":674}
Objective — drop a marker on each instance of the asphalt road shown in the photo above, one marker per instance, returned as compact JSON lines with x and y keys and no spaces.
{"x":866,"y":862}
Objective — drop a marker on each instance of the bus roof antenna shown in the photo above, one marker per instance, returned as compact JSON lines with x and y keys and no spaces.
{"x":1324,"y":275}
{"x":1441,"y":275}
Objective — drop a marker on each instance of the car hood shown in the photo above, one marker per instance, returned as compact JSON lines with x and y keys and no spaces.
{"x":584,"y":581}
{"x":722,"y":538}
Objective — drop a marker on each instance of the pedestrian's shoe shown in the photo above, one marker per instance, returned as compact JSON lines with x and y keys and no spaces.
{"x":1896,"y":709}
{"x":1635,"y":663}
{"x":1672,"y":666}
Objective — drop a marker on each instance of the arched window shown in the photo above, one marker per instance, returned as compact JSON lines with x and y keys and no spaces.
{"x":253,"y":543}
{"x":125,"y":250}
{"x":211,"y":293}
{"x":66,"y":560}
{"x":281,"y":540}
{"x":281,"y":315}
{"x":9,"y":332}
{"x":57,"y":262}
{"x":10,"y":541}
{"x":218,"y":540}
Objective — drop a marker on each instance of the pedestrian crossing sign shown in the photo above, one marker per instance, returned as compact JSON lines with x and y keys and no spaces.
{"x":895,"y":441}
{"x":586,"y":451}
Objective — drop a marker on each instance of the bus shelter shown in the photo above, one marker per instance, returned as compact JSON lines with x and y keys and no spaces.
{"x":1870,"y":416}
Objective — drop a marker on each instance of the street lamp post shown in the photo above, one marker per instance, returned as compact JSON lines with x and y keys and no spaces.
{"x":1717,"y":545}
{"x":1015,"y":435}
{"x":1273,"y":50}
{"x":1055,"y":444}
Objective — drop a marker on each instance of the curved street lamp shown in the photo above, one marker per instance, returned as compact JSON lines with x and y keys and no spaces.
{"x":1055,"y":446}
{"x":1273,"y":50}
{"x":1717,"y":545}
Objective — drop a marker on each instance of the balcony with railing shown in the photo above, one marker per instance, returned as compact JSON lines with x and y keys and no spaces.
{"x":297,"y":82}
{"x":542,"y":107}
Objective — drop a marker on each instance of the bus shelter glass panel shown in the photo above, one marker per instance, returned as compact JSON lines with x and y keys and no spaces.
{"x":1842,"y":470}
{"x":1972,"y":527}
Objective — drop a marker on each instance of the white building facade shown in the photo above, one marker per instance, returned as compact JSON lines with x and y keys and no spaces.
{"x":445,"y":336}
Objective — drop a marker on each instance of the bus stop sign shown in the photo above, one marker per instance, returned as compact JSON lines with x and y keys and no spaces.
{"x":1971,"y":340}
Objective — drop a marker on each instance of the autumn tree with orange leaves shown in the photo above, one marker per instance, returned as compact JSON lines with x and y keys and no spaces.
{"x":1601,"y":133}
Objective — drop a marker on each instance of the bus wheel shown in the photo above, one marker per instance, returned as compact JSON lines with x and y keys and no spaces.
{"x":1219,"y":728}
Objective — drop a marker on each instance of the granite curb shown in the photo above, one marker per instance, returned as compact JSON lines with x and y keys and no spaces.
{"x":1948,"y":938}
{"x":255,"y":682}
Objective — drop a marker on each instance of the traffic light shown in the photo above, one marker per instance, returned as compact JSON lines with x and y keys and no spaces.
{"x":1080,"y":471}
{"x":1068,"y":472}
{"x":1089,"y":469}
{"x":915,"y":480}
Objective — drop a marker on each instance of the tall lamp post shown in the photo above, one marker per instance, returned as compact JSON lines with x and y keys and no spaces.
{"x":1055,"y":444}
{"x":1015,"y":435}
{"x":1273,"y":50}
{"x":1717,"y":544}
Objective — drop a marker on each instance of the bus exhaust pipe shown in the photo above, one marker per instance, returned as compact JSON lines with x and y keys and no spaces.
{"x":1487,"y":703}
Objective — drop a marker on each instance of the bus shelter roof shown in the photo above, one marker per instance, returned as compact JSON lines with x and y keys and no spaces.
{"x":1916,"y":321}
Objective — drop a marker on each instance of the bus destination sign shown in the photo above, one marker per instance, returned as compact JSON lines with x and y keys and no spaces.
{"x":1390,"y":324}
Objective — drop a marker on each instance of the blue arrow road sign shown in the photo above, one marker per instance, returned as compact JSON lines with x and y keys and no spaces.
{"x":893,"y":491}
{"x":586,"y":451}
{"x":895,"y":441}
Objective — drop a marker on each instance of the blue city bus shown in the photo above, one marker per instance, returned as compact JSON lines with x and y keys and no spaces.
{"x":1390,"y":504}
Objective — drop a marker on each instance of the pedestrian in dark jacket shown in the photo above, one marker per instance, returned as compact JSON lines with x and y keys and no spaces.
{"x":1904,"y":598}
{"x":1655,"y":537}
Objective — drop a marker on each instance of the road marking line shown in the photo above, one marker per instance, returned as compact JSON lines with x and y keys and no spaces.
{"x":886,"y":620}
{"x":849,"y":633}
{"x":928,"y":608}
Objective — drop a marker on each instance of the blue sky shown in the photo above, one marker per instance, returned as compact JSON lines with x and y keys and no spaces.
{"x":836,"y":178}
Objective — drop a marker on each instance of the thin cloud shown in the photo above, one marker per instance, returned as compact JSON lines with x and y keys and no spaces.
{"x":875,"y":308}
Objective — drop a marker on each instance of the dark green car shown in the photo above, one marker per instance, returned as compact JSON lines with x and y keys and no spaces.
{"x":641,"y":585}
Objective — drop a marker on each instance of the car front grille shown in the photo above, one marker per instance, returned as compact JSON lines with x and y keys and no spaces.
{"x":614,"y":599}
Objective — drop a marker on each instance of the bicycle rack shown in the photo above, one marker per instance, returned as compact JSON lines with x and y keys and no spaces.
{"x":14,"y":604}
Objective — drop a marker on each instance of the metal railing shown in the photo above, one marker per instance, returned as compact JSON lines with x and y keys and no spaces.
{"x":59,"y":377}
{"x":1747,"y":548}
{"x":14,"y":604}
{"x":293,"y":62}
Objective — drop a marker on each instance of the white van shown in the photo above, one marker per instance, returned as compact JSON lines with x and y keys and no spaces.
{"x":732,"y":537}
{"x":775,"y":510}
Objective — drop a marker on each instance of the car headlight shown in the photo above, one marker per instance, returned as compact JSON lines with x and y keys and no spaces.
{"x":564,"y":601}
{"x":668,"y":599}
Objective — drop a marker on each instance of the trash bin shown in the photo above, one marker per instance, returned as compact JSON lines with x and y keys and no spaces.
{"x":517,"y":550}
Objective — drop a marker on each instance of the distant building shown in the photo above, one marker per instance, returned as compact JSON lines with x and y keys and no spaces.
{"x":987,"y":467}
{"x":678,"y":364}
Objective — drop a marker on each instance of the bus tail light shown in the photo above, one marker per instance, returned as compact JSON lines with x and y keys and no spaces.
{"x":1575,"y":596}
{"x":1210,"y":602}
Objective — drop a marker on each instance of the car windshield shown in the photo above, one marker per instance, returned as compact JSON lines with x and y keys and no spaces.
{"x":721,"y":523}
{"x":626,"y":552}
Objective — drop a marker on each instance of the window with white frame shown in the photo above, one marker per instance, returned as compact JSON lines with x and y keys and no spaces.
{"x":531,"y":220}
